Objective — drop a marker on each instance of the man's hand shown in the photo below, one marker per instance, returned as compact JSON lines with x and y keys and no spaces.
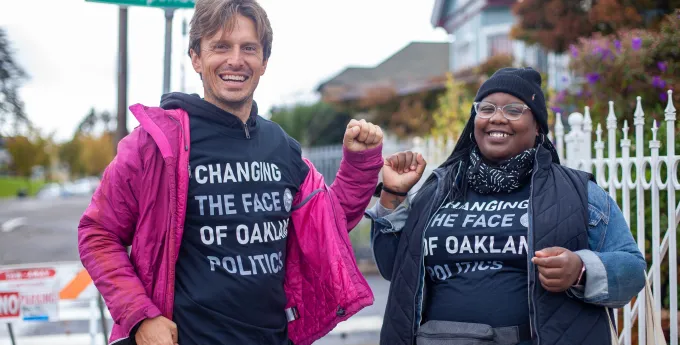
{"x":558,"y":268}
{"x":362,"y":135}
{"x":157,"y":331}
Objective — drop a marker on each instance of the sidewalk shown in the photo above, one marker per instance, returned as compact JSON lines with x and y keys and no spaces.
{"x":345,"y":334}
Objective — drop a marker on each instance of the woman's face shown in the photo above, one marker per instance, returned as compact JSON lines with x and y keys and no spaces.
{"x":497,"y":137}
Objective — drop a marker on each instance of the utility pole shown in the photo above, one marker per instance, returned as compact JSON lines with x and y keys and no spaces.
{"x":184,"y":37}
{"x":121,"y":131}
{"x":169,"y":14}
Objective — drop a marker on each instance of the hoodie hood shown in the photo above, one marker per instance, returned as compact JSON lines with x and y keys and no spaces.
{"x":196,"y":106}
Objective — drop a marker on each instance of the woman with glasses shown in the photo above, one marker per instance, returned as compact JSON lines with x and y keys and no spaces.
{"x":501,"y":245}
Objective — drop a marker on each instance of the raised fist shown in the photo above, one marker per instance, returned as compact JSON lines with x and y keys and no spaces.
{"x":362,"y":135}
{"x":403,"y":170}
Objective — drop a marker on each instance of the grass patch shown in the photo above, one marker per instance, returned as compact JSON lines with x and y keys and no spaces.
{"x":10,"y":186}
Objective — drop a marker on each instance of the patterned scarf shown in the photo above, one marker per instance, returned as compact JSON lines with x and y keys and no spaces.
{"x":503,"y":178}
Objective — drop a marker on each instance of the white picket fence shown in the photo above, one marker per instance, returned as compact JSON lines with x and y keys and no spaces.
{"x":575,"y":149}
{"x":664,"y":241}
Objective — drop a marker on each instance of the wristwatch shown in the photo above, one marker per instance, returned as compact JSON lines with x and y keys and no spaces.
{"x":381,"y":187}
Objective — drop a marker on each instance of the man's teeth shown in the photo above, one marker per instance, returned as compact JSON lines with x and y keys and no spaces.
{"x":498,"y":134}
{"x":233,"y":78}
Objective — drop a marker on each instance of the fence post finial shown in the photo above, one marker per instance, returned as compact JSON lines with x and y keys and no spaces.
{"x":639,"y":113}
{"x":587,"y":120}
{"x":625,"y":129}
{"x":670,"y":108}
{"x":611,"y":118}
{"x":655,"y":128}
{"x":599,"y":157}
{"x":559,"y":126}
{"x":559,"y":135}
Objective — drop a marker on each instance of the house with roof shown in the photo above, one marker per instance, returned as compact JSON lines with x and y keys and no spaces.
{"x":399,"y":93}
{"x":419,"y":66}
{"x":480,"y":29}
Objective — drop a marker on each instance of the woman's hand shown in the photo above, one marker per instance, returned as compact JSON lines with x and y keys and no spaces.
{"x":558,"y":268}
{"x":401,"y":172}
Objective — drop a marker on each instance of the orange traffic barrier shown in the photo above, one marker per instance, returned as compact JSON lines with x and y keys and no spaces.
{"x":76,"y":286}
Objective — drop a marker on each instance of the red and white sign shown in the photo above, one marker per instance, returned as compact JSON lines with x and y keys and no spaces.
{"x":27,"y":274}
{"x":33,"y":291}
{"x":10,"y":306}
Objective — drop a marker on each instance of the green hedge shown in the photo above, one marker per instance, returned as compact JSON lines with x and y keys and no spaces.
{"x":10,"y":186}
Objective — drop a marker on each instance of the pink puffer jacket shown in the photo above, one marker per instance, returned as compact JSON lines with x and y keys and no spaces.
{"x":141,"y":202}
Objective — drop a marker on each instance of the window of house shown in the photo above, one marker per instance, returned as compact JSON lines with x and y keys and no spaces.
{"x":499,"y":44}
{"x":464,"y":56}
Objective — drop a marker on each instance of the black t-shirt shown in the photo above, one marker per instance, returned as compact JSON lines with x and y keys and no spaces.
{"x":476,"y":260}
{"x":230,"y":270}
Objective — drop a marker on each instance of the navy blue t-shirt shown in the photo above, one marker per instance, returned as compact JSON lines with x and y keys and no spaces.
{"x":230,"y":270}
{"x":476,"y":260}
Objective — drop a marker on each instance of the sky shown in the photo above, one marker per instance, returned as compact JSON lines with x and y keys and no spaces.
{"x":69,"y":50}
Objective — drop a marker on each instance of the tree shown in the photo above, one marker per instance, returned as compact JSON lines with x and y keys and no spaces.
{"x":453,"y":111}
{"x":97,"y":153}
{"x":401,"y":115}
{"x":108,"y":121}
{"x":89,"y":122}
{"x":11,"y":77}
{"x":91,"y":148}
{"x":315,"y":124}
{"x":27,"y":153}
{"x":70,"y":154}
{"x":556,"y":24}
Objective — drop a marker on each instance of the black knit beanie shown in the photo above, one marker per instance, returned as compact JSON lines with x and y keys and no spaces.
{"x":523,"y":83}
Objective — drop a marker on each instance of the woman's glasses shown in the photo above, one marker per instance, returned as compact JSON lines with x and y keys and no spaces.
{"x":511,"y":111}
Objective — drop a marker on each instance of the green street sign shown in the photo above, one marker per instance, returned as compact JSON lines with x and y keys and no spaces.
{"x":151,"y":3}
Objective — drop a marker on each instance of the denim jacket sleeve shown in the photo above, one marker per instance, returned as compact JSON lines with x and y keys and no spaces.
{"x":615,"y":268}
{"x":386,"y":226}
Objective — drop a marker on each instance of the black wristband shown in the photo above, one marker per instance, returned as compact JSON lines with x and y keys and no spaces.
{"x":382,"y":187}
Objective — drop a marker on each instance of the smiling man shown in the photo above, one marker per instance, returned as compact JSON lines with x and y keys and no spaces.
{"x":235,"y":239}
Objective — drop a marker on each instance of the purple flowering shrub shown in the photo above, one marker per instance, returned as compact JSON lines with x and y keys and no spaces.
{"x":622,"y":66}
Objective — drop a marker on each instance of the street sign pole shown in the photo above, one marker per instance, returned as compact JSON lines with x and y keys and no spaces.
{"x":182,"y":68}
{"x":169,"y":6}
{"x":11,"y":333}
{"x":121,"y":131}
{"x":102,"y":318}
{"x":169,"y":14}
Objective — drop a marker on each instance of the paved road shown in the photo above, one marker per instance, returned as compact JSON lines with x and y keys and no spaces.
{"x":37,"y":231}
{"x":46,"y":230}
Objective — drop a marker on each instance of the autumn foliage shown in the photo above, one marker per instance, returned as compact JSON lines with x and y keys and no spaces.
{"x":87,"y":154}
{"x":453,"y":111}
{"x":556,"y":24}
{"x":27,"y":152}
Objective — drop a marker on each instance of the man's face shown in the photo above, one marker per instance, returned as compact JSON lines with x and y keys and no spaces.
{"x":231,"y":63}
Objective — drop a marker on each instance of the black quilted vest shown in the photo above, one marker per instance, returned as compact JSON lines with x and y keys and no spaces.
{"x":558,"y":210}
